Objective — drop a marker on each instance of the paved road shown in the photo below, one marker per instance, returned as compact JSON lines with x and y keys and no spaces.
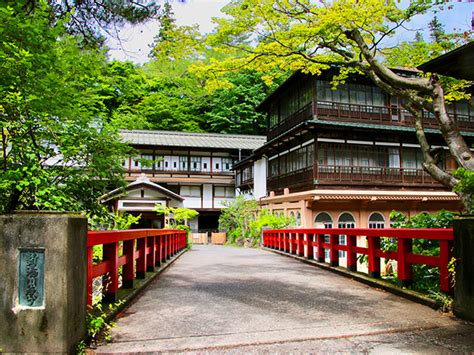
{"x":230,"y":300}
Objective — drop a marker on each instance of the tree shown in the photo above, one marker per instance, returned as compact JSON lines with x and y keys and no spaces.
{"x":91,"y":20}
{"x":57,"y":151}
{"x":314,"y":36}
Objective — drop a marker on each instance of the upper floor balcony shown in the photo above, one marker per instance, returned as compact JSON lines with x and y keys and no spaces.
{"x":337,"y":175}
{"x":384,"y":115}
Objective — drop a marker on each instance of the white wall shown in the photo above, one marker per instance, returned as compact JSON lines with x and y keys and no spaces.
{"x":260,"y":178}
{"x":207,"y":195}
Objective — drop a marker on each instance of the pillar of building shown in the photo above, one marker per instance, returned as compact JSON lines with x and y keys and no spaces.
{"x":43,"y":258}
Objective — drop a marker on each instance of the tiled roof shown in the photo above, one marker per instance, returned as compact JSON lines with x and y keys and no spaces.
{"x":381,"y":126}
{"x":193,"y":140}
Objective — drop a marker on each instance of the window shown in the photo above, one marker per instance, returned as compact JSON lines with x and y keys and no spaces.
{"x":183,"y":163}
{"x":196,"y":163}
{"x":298,"y":219}
{"x":217,"y":166}
{"x":204,"y":166}
{"x":226,"y":164}
{"x":224,"y":191}
{"x":190,"y":191}
{"x":376,"y":220}
{"x":323,"y":220}
{"x":147,"y":162}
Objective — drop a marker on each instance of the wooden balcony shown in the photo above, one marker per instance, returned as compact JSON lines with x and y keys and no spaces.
{"x":298,"y":117}
{"x":176,"y":172}
{"x":372,"y":176}
{"x":386,"y":115}
{"x":332,"y":175}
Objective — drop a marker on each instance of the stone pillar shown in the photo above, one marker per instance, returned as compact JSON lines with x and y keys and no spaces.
{"x":464,"y":254}
{"x":43,"y":261}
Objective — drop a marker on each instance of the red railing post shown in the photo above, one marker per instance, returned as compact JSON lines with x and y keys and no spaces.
{"x":128,"y":275}
{"x":89,"y":275}
{"x":158,"y":250}
{"x":374,"y":261}
{"x":309,"y":245}
{"x":141,"y":260}
{"x":333,"y":252}
{"x":110,"y":283}
{"x":300,"y":250}
{"x":404,"y":269}
{"x":285,"y":242}
{"x":320,"y":242}
{"x":150,"y":258}
{"x":163,"y":248}
{"x":445,"y":255}
{"x":351,"y":254}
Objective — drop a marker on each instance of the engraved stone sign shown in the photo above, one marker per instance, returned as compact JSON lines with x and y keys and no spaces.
{"x":31,"y":278}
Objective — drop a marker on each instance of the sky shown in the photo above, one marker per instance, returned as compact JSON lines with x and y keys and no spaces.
{"x":135,"y":41}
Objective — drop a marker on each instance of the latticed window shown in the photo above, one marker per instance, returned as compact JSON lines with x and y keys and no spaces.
{"x":376,"y":220}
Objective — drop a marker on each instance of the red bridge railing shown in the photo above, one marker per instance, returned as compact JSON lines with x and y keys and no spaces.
{"x":141,"y":250}
{"x":302,"y":242}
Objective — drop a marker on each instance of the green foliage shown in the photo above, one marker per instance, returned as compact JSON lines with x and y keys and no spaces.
{"x":98,"y":326}
{"x":117,"y":220}
{"x":425,"y":278}
{"x":57,"y":151}
{"x":465,"y":187}
{"x":243,"y":222}
{"x":177,"y":215}
{"x":441,"y":219}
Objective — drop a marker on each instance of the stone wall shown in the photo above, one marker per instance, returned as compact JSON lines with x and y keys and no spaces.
{"x":464,"y":254}
{"x":43,"y":259}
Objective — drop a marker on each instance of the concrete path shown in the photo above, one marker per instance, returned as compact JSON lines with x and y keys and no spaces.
{"x":230,"y":300}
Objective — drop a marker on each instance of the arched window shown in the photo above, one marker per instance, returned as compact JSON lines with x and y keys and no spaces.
{"x":376,"y":220}
{"x":298,"y":219}
{"x":292,"y":214}
{"x":323,"y":219}
{"x":346,"y":220}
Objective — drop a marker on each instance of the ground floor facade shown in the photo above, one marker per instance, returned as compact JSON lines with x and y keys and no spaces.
{"x":356,"y":208}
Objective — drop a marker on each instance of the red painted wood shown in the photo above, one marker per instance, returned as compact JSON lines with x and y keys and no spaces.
{"x":300,"y":244}
{"x":333,"y":252}
{"x":351,"y":254}
{"x":137,"y":255}
{"x":445,"y":256}
{"x":309,"y":245}
{"x":151,"y":253}
{"x":110,"y":284}
{"x":403,"y":264}
{"x":374,"y":260}
{"x":129,"y":266}
{"x":287,"y":242}
{"x":90,"y":277}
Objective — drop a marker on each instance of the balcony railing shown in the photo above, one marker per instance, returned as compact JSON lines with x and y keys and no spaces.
{"x":381,"y":114}
{"x":372,"y":175}
{"x":160,"y":171}
{"x":303,"y":114}
{"x":307,"y":178}
{"x":337,"y":111}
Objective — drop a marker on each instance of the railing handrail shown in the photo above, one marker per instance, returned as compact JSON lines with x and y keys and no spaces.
{"x":413,"y":233}
{"x":113,"y":236}
{"x":301,"y":241}
{"x":142,"y":251}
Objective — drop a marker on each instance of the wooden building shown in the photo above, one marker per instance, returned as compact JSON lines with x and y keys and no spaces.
{"x":179,"y":169}
{"x":347,"y":156}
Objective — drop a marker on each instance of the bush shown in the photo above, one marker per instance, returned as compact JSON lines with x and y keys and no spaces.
{"x":243,"y":222}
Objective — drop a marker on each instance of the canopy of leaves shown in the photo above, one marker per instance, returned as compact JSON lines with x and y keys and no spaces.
{"x":57,"y":152}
